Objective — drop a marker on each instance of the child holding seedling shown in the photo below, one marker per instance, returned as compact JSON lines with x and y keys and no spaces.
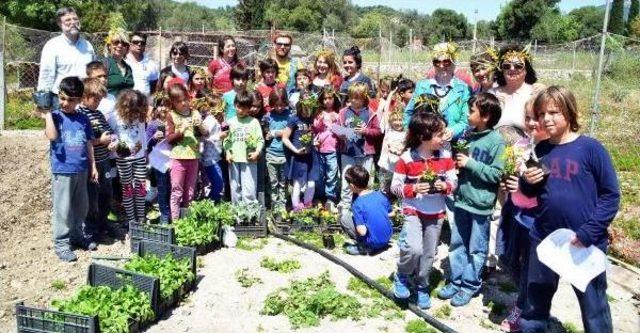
{"x":71,"y":151}
{"x":303,"y":87}
{"x":327,"y":144}
{"x":580,"y":192}
{"x":392,"y":147}
{"x":184,"y":128}
{"x":129,"y":142}
{"x":100,"y":193}
{"x":359,"y":148}
{"x":275,"y":156}
{"x":475,"y":198}
{"x":242,"y":148}
{"x":422,"y":179}
{"x":298,"y":138}
{"x":370,"y":228}
{"x":156,"y":131}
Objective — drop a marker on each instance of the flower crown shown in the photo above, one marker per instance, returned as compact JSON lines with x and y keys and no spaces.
{"x":114,"y":34}
{"x":428,"y":101}
{"x":449,"y":50}
{"x":524,"y":54}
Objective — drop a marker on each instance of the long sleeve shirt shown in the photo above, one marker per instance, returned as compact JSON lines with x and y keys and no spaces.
{"x":62,"y":58}
{"x":240,"y":130}
{"x":361,"y":145}
{"x":581,"y":192}
{"x":407,"y":173}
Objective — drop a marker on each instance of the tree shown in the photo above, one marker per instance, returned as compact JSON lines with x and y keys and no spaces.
{"x":484,"y":30}
{"x":554,"y":27}
{"x":634,"y":28}
{"x":616,"y":23}
{"x":634,"y":12}
{"x":368,"y":25}
{"x":518,"y":17}
{"x":249,"y":14}
{"x":447,"y":25}
{"x":589,"y":19}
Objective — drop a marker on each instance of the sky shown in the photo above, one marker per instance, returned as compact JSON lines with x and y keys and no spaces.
{"x":487,"y":9}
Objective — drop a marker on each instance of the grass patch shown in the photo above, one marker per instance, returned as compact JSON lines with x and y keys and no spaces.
{"x":419,"y":326}
{"x":58,"y":284}
{"x":376,"y":304}
{"x":251,"y":244}
{"x":443,"y":312}
{"x":245,"y":279}
{"x":284,"y":266}
{"x":20,"y":112}
{"x":570,"y":328}
{"x":630,"y":227}
{"x":315,"y":239}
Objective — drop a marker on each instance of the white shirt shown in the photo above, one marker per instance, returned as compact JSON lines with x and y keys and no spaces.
{"x":62,"y":58}
{"x":513,"y":105}
{"x":144,"y":72}
{"x":212,"y":148}
{"x":133,"y":135}
{"x":107,"y":106}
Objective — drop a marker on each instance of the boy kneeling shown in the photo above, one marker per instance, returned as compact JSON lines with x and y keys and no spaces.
{"x":369,"y":224}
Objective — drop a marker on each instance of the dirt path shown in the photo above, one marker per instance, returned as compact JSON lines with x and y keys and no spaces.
{"x":28,"y":267}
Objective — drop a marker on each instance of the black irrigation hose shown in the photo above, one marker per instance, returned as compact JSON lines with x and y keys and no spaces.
{"x":373,"y":284}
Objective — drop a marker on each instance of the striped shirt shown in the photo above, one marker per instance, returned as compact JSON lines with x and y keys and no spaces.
{"x":99,"y":125}
{"x":407,"y":173}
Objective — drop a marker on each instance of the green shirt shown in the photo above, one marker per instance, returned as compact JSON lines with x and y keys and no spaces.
{"x":479,"y":179}
{"x":243,"y":132}
{"x":116,"y":81}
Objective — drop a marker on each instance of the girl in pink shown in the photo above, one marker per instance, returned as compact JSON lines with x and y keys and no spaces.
{"x":220,"y":67}
{"x":326,"y":142}
{"x":183,"y":125}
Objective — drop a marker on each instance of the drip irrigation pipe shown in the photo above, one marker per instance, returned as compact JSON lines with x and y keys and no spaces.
{"x":373,"y":284}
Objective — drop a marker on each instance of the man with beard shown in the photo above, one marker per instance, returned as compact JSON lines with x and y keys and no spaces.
{"x":65,"y":55}
{"x":287,"y":66}
{"x":452,"y":94}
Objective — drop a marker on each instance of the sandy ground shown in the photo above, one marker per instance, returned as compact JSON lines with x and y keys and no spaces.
{"x":28,"y":267}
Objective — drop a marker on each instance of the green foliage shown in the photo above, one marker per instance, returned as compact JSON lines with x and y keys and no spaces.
{"x":442,"y":312}
{"x":249,"y":14}
{"x":517,"y":19}
{"x":630,"y":227}
{"x":589,"y":19}
{"x":375,"y":304}
{"x":203,"y":220}
{"x":58,"y":284}
{"x":570,"y":328}
{"x":616,"y":17}
{"x":449,"y":25}
{"x":307,"y":301}
{"x":634,"y":13}
{"x":634,"y":28}
{"x":114,"y":308}
{"x":554,"y":27}
{"x":20,"y":112}
{"x":245,"y":279}
{"x":315,"y":239}
{"x":246,"y":212}
{"x":419,"y":326}
{"x":171,"y":272}
{"x":251,"y":244}
{"x":284,"y":266}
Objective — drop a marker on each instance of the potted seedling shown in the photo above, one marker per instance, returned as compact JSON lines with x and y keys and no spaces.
{"x":535,"y":162}
{"x":306,"y":140}
{"x":510,"y":158}
{"x":429,"y":176}
{"x":461,"y":146}
{"x":122,"y":149}
{"x":251,"y":143}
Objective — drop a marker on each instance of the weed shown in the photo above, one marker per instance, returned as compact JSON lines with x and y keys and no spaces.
{"x":245,"y":279}
{"x":284,"y":266}
{"x":443,"y":312}
{"x":376,"y":304}
{"x":487,"y":324}
{"x":58,"y":284}
{"x":611,"y":299}
{"x":250,"y":244}
{"x":419,"y":326}
{"x":496,"y":308}
{"x":570,"y":327}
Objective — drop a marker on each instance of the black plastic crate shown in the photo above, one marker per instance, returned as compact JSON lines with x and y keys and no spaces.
{"x":99,"y":275}
{"x":206,"y":248}
{"x":153,"y":232}
{"x":251,"y":230}
{"x":162,"y":249}
{"x":32,"y":320}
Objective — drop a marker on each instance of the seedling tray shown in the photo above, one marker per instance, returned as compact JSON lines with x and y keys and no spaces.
{"x":178,"y":252}
{"x":153,"y":232}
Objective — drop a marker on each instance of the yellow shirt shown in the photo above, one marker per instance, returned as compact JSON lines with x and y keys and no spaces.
{"x":284,"y":69}
{"x":187,"y":148}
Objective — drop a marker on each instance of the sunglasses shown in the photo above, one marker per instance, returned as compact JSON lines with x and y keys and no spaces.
{"x":283,"y":44}
{"x":139,"y":42}
{"x":119,"y":42}
{"x":177,"y":53}
{"x":512,"y":65}
{"x":442,"y":63}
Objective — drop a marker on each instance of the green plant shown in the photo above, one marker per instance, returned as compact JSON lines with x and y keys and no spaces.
{"x":245,"y":279}
{"x":510,"y":159}
{"x":252,"y":142}
{"x":315,"y":239}
{"x":461,"y":146}
{"x":307,"y":301}
{"x":114,"y":308}
{"x":442,"y":312}
{"x":419,"y":326}
{"x":284,"y":266}
{"x":247,"y":212}
{"x":202,"y":223}
{"x":251,"y":244}
{"x":570,"y":327}
{"x":58,"y":284}
{"x":306,"y":139}
{"x":376,"y":304}
{"x":428,"y":176}
{"x":19,"y":113}
{"x":486,"y":323}
{"x":172,"y":273}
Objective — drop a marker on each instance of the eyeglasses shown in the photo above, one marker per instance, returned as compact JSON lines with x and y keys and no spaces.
{"x":283,"y":45}
{"x":139,"y":42}
{"x":442,"y":63}
{"x":512,"y":65}
{"x":119,"y":42}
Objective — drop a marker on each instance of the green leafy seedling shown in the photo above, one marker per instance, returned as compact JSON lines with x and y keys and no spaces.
{"x":58,"y":284}
{"x":419,"y":326}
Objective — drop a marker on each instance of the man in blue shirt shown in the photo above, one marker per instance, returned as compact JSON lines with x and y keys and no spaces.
{"x":72,"y":163}
{"x":370,"y":225}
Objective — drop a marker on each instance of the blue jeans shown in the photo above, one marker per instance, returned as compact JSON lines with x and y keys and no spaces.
{"x":214,"y":174}
{"x":542,"y":285}
{"x":163,"y":183}
{"x":100,"y":195}
{"x":328,"y":175}
{"x":468,"y":249}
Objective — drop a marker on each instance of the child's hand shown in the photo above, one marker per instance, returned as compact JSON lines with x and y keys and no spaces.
{"x":534,"y":175}
{"x":440,"y":185}
{"x":511,"y":185}
{"x":360,"y":129}
{"x":229,"y":158}
{"x":93,"y":176}
{"x":576,"y":242}
{"x":301,"y":151}
{"x":421,"y":188}
{"x":223,"y":134}
{"x":253,"y":156}
{"x":461,"y":160}
{"x":158,"y":135}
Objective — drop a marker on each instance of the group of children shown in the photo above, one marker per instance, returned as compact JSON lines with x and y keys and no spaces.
{"x":329,"y":147}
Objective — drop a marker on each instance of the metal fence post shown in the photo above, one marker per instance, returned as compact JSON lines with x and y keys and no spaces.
{"x":379,"y":52}
{"x":3,"y":87}
{"x":410,"y":50}
{"x":573,"y":62}
{"x":596,"y":94}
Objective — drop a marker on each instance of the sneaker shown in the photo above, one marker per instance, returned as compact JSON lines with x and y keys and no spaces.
{"x":401,"y":286}
{"x":355,"y":250}
{"x":461,"y":298}
{"x":90,"y":246}
{"x":66,"y":255}
{"x":424,"y":299}
{"x":510,"y":324}
{"x":447,"y":291}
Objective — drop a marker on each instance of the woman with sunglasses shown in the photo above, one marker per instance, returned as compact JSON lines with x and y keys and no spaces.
{"x":119,"y":73}
{"x":179,"y":54}
{"x":452,"y":92}
{"x":515,"y":78}
{"x":220,"y":67}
